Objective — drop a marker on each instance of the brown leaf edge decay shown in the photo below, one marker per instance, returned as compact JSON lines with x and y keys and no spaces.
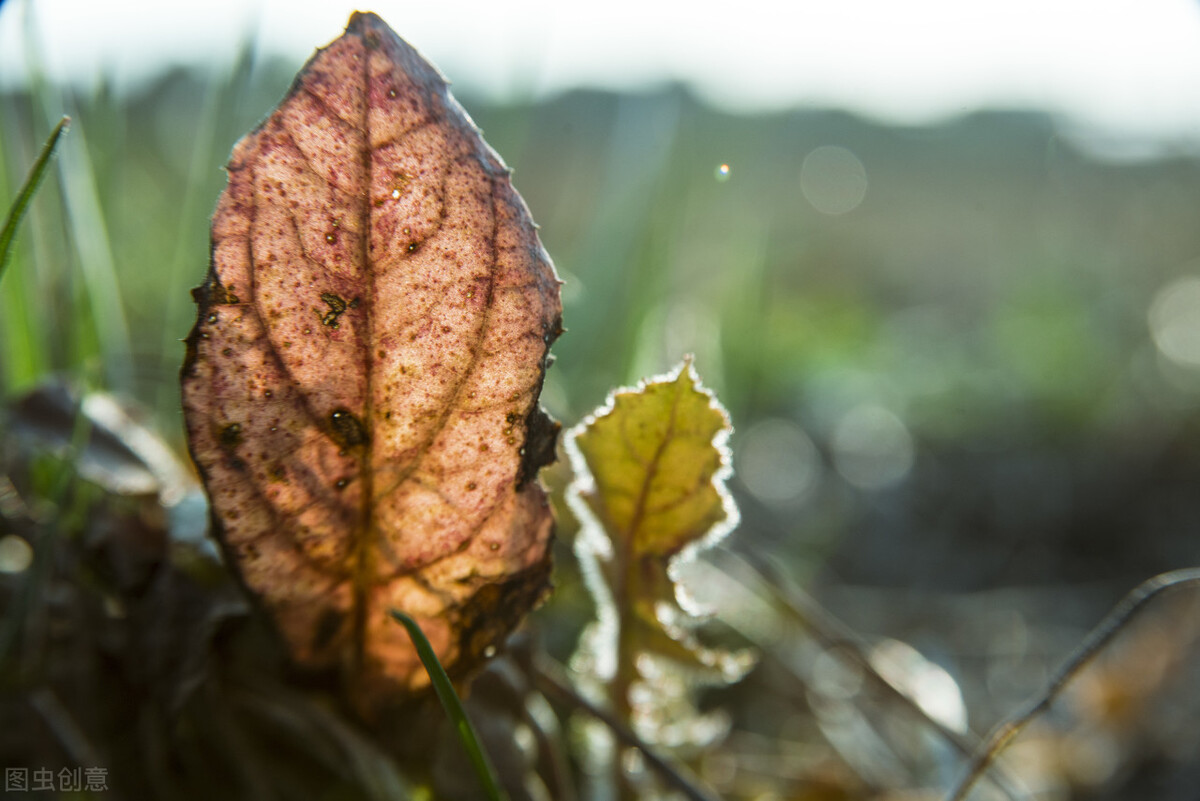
{"x":361,"y":384}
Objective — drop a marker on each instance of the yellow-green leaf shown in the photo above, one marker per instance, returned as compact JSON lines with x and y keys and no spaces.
{"x":651,"y":466}
{"x":649,"y":489}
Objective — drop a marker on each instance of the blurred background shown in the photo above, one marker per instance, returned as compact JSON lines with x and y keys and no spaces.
{"x":939,"y":260}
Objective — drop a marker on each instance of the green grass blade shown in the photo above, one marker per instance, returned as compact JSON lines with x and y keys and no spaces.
{"x":453,"y":706}
{"x":21,"y":204}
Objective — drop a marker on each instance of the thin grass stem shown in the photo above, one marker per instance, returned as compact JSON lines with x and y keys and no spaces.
{"x":1112,"y":625}
{"x":838,"y":638}
{"x":11,"y":222}
{"x":454,"y":708}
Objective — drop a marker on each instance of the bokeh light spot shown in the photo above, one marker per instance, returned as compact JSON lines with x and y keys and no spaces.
{"x":1174,"y":320}
{"x":925,"y":682}
{"x":833,"y":180}
{"x":872,"y":448}
{"x":15,"y":554}
{"x":777,"y":462}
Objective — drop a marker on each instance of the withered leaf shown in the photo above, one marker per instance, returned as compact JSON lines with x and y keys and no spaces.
{"x":362,"y":381}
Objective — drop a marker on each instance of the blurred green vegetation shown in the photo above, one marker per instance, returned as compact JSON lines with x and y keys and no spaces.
{"x":992,"y":270}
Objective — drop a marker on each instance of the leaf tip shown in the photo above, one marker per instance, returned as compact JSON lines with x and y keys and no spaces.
{"x":363,"y":20}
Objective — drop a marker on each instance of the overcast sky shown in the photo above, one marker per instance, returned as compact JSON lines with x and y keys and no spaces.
{"x":1125,"y":66}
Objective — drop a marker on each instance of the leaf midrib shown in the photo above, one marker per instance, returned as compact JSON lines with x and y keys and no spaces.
{"x":364,"y":552}
{"x":639,"y":509}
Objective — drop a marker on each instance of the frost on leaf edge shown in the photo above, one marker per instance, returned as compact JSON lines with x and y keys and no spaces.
{"x":592,"y":541}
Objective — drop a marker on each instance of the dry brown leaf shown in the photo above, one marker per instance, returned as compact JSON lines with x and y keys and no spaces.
{"x":362,"y":381}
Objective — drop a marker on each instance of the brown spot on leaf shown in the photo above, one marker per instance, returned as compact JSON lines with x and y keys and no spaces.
{"x":348,"y":430}
{"x":541,"y":440}
{"x":337,"y":307}
{"x":213,"y":293}
{"x":231,"y":435}
{"x":496,"y":607}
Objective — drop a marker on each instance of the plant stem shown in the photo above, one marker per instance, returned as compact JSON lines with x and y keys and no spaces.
{"x":838,"y":638}
{"x":1112,"y":625}
{"x":549,"y":680}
